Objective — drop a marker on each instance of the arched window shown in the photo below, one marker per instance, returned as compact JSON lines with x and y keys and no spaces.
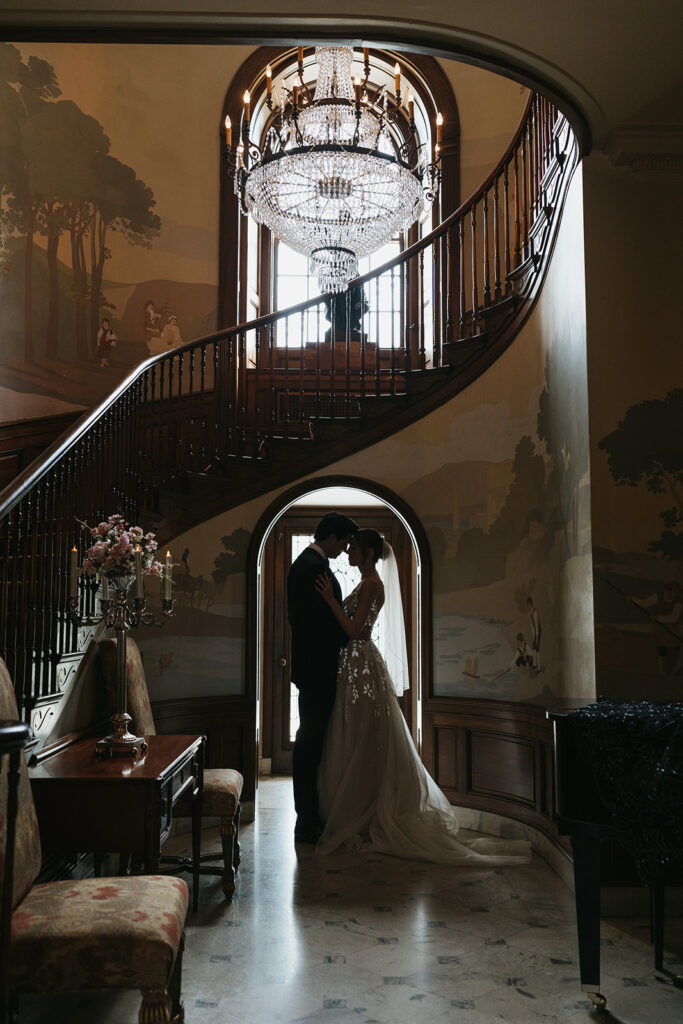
{"x":260,"y":274}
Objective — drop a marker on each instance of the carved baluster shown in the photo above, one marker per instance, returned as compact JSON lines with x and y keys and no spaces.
{"x":242,"y":385}
{"x":191,"y":412}
{"x":272,"y":411}
{"x":517,"y":249}
{"x":181,"y":416}
{"x":461,"y":274}
{"x":436,"y":301}
{"x":49,"y":609}
{"x":302,"y":383}
{"x":496,"y":242}
{"x":257,"y":391}
{"x":160,"y":416}
{"x":475,"y":288}
{"x":487,"y":282}
{"x":287,"y":398}
{"x":506,"y":226}
{"x":347,"y":352}
{"x":5,"y":586}
{"x":395,"y":325}
{"x":15,"y":665}
{"x":525,"y":224}
{"x":318,"y":398}
{"x":421,"y":309}
{"x":223,"y":440}
{"x":449,"y":273}
{"x":203,"y":407}
{"x":333,"y":397}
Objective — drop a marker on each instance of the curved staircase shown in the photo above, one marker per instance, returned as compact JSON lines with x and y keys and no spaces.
{"x":219,"y":420}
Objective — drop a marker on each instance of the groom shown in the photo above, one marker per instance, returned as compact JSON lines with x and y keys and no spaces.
{"x":316,"y":640}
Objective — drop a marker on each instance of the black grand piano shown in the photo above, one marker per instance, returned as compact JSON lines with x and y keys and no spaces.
{"x":619,"y":776}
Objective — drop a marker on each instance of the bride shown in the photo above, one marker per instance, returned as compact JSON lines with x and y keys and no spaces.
{"x":374,"y":791}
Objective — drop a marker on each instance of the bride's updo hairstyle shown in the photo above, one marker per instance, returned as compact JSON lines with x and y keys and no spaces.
{"x":370,"y":542}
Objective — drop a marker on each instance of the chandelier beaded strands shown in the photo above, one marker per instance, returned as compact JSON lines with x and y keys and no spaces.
{"x":332,"y":179}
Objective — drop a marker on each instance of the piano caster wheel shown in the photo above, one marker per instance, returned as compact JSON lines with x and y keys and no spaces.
{"x":598,"y":1000}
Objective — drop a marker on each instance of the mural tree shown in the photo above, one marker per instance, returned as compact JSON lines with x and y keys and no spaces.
{"x":58,"y":179}
{"x":22,"y":84}
{"x":234,"y":558}
{"x":125,"y":204}
{"x":646,"y":448}
{"x":60,"y":146}
{"x":481,"y":555}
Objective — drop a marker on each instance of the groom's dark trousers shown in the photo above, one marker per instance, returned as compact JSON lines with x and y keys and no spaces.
{"x":316,"y":640}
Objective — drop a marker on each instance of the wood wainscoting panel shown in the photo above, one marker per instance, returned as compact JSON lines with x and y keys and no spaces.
{"x":446,"y":760}
{"x":493,"y":756}
{"x":228,"y":724}
{"x":502,"y":767}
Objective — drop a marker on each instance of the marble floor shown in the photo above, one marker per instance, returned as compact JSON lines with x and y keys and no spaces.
{"x":376,"y":940}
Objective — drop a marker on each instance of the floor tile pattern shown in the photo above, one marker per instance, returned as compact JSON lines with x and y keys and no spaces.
{"x":375,"y":940}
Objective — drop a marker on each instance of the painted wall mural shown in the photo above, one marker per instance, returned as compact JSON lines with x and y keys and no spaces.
{"x":204,"y":641}
{"x":499,"y":478}
{"x":639,"y":593}
{"x":70,"y":331}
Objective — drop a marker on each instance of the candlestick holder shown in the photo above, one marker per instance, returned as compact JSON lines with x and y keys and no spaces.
{"x":121,"y":613}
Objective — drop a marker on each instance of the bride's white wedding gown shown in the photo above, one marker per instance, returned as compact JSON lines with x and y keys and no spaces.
{"x":375,"y":793}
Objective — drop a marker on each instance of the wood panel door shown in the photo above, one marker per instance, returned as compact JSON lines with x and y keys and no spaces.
{"x":288,"y":537}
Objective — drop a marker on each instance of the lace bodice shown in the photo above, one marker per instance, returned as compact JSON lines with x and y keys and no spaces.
{"x":351,"y":603}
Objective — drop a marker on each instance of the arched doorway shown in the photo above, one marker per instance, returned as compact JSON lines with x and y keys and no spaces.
{"x":284,"y":528}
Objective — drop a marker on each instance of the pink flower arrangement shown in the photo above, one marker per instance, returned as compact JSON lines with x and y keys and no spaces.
{"x":113,"y":547}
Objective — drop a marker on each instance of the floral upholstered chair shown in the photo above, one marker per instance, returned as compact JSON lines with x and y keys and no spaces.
{"x":222,"y":786}
{"x":90,"y":934}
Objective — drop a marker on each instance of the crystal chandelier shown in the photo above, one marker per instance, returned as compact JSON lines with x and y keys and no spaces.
{"x":331,"y":180}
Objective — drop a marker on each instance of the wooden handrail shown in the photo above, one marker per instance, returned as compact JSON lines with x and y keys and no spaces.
{"x":224,"y":400}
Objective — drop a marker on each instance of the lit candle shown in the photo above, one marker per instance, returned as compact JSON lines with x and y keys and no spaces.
{"x":269,"y":80}
{"x":439,"y":127}
{"x":105,"y":588}
{"x":168,"y":579}
{"x":357,"y":88}
{"x":247,"y":105}
{"x":139,"y":587}
{"x":397,"y":77}
{"x":73,"y":573}
{"x":228,"y":130}
{"x":411,"y":106}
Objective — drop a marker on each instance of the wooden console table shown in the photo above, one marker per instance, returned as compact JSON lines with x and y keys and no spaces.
{"x":117,"y":805}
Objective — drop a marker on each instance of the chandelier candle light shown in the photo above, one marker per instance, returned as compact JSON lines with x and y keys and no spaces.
{"x":332,"y":179}
{"x":119,"y":556}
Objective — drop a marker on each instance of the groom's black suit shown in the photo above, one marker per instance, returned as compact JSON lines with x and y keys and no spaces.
{"x":316,"y":640}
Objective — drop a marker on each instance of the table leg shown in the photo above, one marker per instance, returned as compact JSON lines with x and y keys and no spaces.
{"x":587,"y":890}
